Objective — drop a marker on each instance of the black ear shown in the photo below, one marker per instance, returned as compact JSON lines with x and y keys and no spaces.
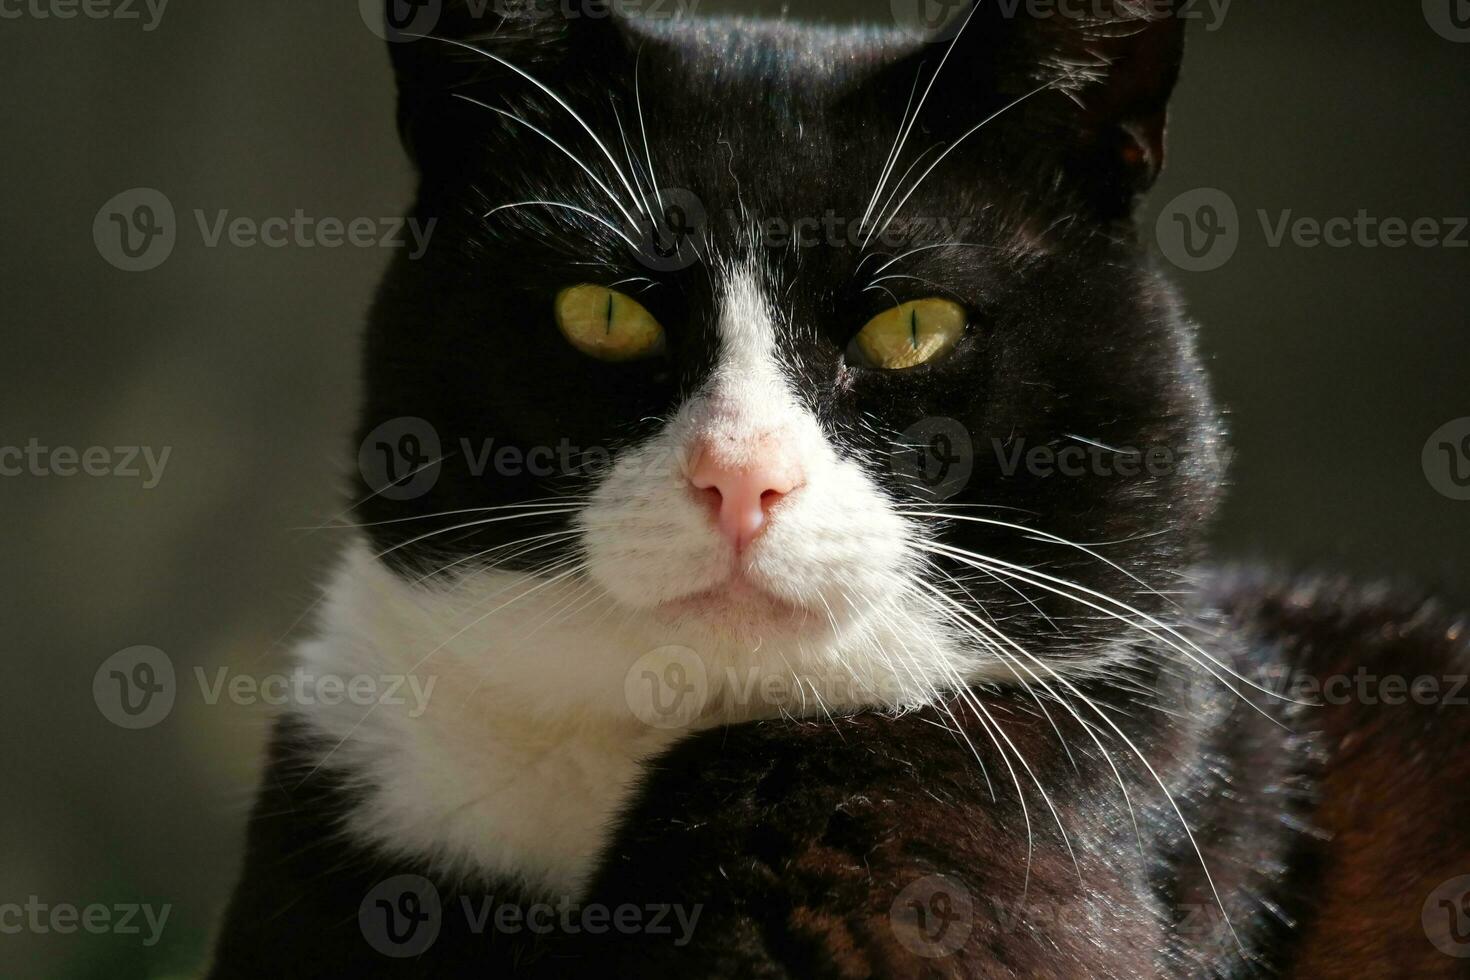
{"x":484,"y":49}
{"x":1120,"y":73}
{"x":1089,"y":82}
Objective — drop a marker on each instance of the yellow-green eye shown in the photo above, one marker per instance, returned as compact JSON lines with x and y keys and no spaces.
{"x":606,"y":324}
{"x":911,"y":334}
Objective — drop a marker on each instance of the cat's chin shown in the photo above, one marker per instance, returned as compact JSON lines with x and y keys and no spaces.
{"x":738,"y":607}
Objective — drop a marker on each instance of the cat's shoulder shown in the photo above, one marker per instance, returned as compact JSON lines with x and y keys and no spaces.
{"x":1382,"y":672}
{"x":1324,"y":622}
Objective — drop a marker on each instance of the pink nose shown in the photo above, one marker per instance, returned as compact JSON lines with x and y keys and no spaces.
{"x":742,"y":492}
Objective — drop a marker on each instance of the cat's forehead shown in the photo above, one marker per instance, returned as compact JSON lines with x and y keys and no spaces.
{"x":789,"y":132}
{"x":795,"y":94}
{"x":738,"y":52}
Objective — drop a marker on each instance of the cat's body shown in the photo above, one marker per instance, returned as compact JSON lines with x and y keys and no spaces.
{"x":753,"y":700}
{"x":781,"y":849}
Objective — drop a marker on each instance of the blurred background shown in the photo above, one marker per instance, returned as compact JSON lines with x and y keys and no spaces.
{"x":1337,"y":365}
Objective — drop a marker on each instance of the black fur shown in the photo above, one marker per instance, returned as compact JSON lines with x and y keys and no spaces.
{"x":1324,"y":828}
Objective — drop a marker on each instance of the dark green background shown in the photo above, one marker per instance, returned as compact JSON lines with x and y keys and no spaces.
{"x":1335,"y":364}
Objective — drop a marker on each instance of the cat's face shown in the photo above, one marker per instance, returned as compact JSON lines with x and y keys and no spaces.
{"x":875,"y":386}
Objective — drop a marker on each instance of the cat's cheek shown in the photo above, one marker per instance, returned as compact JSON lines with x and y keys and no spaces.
{"x":840,"y":544}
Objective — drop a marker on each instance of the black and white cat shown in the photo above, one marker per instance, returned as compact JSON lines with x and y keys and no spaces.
{"x":732,"y":675}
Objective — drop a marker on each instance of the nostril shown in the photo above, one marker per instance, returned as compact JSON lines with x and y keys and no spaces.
{"x":710,"y":496}
{"x":769,"y":497}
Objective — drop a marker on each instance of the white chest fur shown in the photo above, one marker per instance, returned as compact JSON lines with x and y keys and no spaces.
{"x":509,"y":741}
{"x":503,"y":750}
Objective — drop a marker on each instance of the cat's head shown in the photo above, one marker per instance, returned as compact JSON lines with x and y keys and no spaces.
{"x":835,"y":349}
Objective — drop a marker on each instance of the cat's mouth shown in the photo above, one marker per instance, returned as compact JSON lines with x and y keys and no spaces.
{"x":738,"y":602}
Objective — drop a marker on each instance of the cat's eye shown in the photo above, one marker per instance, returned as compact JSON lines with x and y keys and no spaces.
{"x":911,"y":334}
{"x":606,"y":324}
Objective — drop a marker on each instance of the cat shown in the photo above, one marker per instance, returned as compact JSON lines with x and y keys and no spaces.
{"x":785,"y":476}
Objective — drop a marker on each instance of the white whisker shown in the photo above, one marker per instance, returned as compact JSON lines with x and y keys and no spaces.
{"x":544,"y":88}
{"x":904,"y":135}
{"x":968,"y":133}
{"x":569,"y":207}
{"x":643,"y":129}
{"x":554,"y":142}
